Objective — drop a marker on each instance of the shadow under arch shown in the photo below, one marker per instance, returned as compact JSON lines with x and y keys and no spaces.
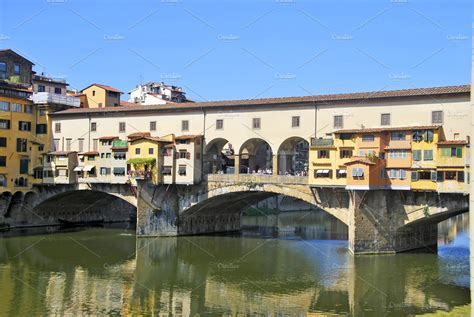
{"x":222,"y":212}
{"x":83,"y":205}
{"x":293,"y":156}
{"x":255,"y":155}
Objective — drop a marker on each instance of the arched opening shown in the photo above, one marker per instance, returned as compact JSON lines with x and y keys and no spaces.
{"x":219,"y":157}
{"x":293,"y":157}
{"x":84,"y":206}
{"x":256,"y":156}
{"x":224,"y":212}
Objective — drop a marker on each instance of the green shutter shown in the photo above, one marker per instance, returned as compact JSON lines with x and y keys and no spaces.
{"x":458,"y":152}
{"x":414,"y":176}
{"x":416,"y":155}
{"x":434,"y":176}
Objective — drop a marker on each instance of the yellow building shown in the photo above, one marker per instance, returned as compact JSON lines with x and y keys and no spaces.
{"x":19,"y":144}
{"x":327,"y":159}
{"x":143,"y":157}
{"x":424,"y":153}
{"x":452,"y":166}
{"x":99,"y":96}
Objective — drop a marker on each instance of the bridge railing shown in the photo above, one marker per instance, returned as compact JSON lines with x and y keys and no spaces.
{"x":256,"y":178}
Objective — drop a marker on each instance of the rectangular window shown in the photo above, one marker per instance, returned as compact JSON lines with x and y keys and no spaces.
{"x":461,"y":176}
{"x":398,"y":154}
{"x":182,"y":170}
{"x":24,"y":166}
{"x":185,"y":125}
{"x":16,"y":69}
{"x":182,"y":154}
{"x":16,"y":107}
{"x":57,"y":90}
{"x":3,"y":142}
{"x":81,"y":145}
{"x":3,"y":180}
{"x":437,"y":117}
{"x":119,"y":171}
{"x":323,"y":173}
{"x":4,"y":124}
{"x":295,"y":122}
{"x":93,"y":126}
{"x":338,"y":122}
{"x":56,"y":144}
{"x":95,"y":144}
{"x":152,"y":125}
{"x":342,"y":173}
{"x":105,"y":171}
{"x":345,"y":154}
{"x":137,"y":151}
{"x":357,"y":172}
{"x":121,"y":127}
{"x":256,"y":123}
{"x":68,"y":144}
{"x":3,"y":70}
{"x":41,"y":88}
{"x":397,"y":136}
{"x":219,"y":124}
{"x":150,"y":151}
{"x":21,"y":145}
{"x":41,"y":128}
{"x":450,"y":176}
{"x":416,"y":155}
{"x":61,"y":172}
{"x":323,"y":154}
{"x":57,"y":127}
{"x":4,"y":106}
{"x":28,"y":109}
{"x":3,"y":161}
{"x":166,"y":170}
{"x":427,"y":155}
{"x":385,"y":119}
{"x":368,"y":138}
{"x":24,"y":126}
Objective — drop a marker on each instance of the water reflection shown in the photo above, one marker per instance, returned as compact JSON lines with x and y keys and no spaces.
{"x":99,"y":271}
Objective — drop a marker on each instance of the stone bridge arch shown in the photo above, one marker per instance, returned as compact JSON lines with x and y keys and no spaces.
{"x":216,"y":206}
{"x":44,"y":205}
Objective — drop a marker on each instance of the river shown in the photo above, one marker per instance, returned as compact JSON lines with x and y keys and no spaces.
{"x":290,"y":264}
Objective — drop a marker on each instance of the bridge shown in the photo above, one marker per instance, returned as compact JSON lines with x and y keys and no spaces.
{"x":379,"y":221}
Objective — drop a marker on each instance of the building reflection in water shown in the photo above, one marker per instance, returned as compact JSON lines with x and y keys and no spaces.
{"x":292,"y":272}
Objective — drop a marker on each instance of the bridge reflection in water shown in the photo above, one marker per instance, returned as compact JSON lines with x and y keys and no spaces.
{"x":101,"y":271}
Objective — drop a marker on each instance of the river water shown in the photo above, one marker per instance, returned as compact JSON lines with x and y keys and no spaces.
{"x":291,"y":264}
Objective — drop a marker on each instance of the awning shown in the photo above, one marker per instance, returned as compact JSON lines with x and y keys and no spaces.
{"x":342,"y":171}
{"x":88,"y":168}
{"x":322,"y":171}
{"x":78,"y":168}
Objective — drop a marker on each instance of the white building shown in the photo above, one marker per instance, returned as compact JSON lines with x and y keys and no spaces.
{"x":153,"y":93}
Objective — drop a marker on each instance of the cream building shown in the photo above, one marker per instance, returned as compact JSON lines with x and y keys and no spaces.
{"x":260,"y":130}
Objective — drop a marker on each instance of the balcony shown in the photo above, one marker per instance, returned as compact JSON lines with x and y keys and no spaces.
{"x":43,"y":98}
{"x":322,"y":142}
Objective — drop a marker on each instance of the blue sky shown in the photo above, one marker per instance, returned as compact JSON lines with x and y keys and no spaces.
{"x":245,"y":49}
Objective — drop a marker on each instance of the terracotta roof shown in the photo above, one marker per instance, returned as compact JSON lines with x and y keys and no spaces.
{"x":169,"y":146}
{"x":361,"y":160}
{"x":128,"y":104}
{"x":187,"y":136}
{"x":388,"y":129}
{"x":453,"y":142}
{"x":151,"y":138}
{"x":108,"y":137}
{"x":90,"y":153}
{"x":360,"y":96}
{"x":108,"y":88}
{"x":138,"y":135}
{"x":117,"y":148}
{"x":61,"y":152}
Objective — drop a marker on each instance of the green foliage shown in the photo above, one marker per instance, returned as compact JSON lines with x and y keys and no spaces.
{"x":139,"y":162}
{"x":372,"y":157}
